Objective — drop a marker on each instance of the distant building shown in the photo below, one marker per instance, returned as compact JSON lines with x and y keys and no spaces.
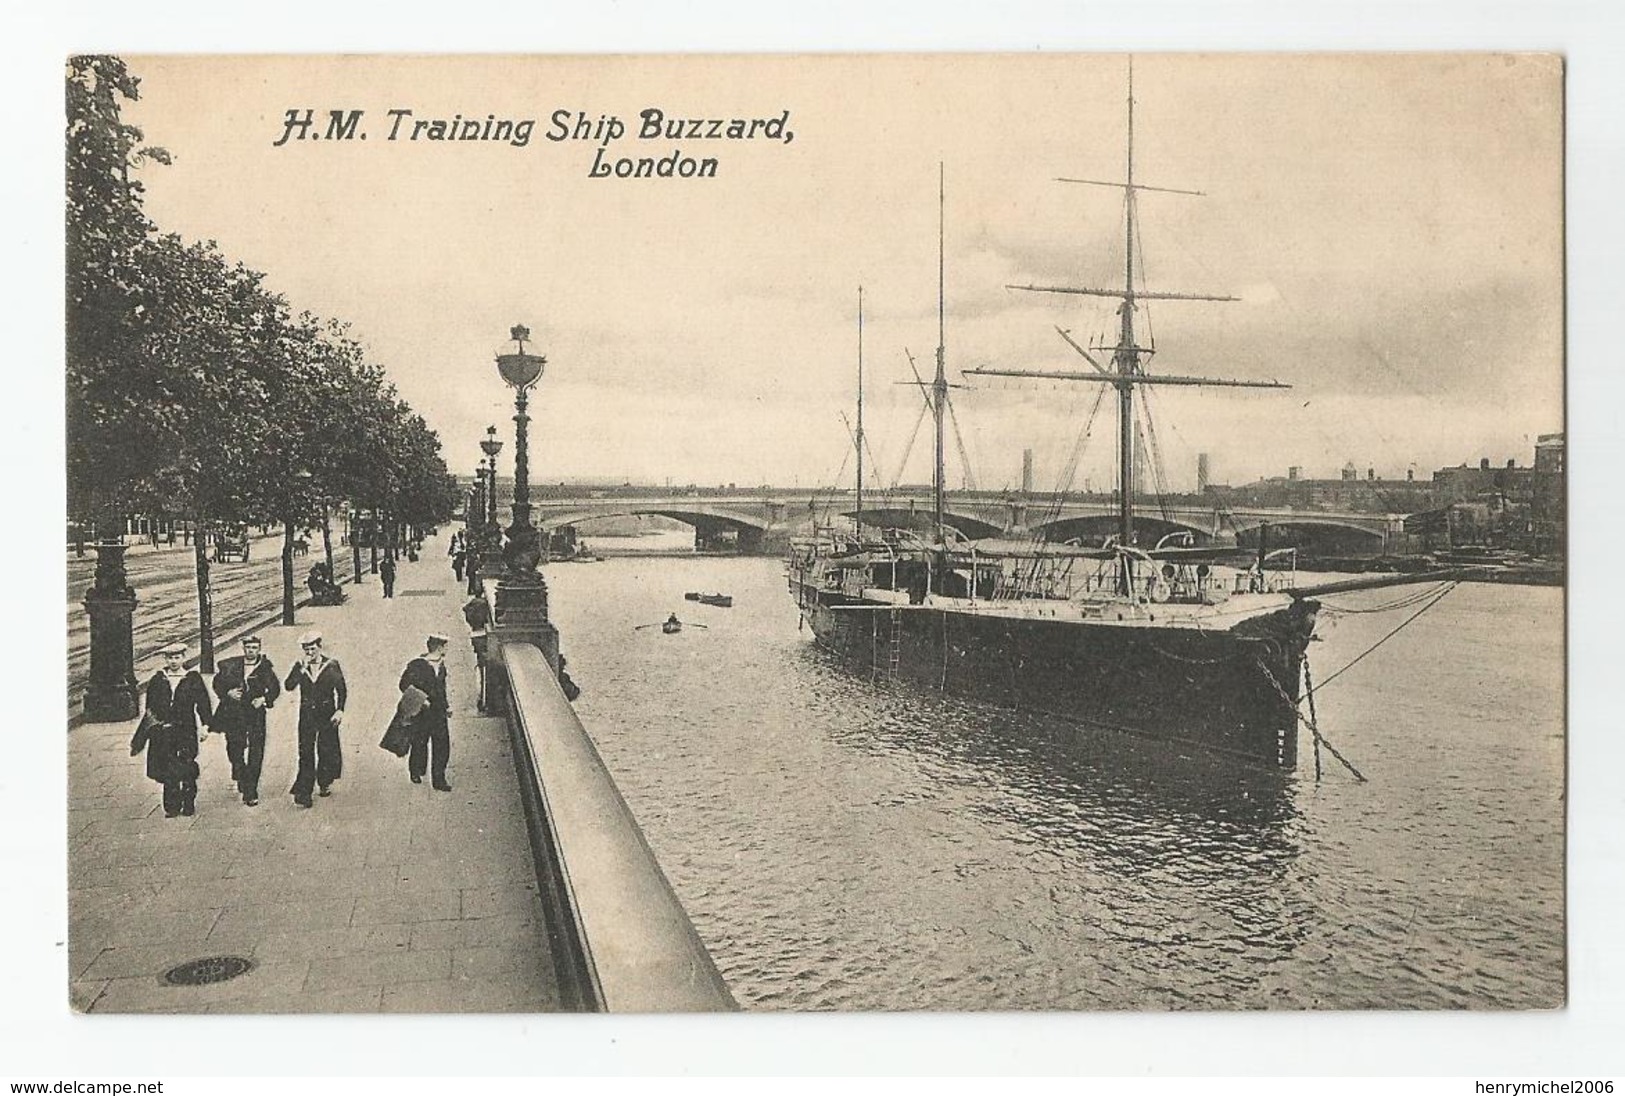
{"x":1463,"y":482}
{"x":1346,"y":493}
{"x":1549,"y":498}
{"x":1549,"y":453}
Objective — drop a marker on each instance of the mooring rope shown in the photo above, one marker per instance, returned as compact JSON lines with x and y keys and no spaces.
{"x":1438,"y":597}
{"x":1310,"y":689}
{"x":1401,"y":603}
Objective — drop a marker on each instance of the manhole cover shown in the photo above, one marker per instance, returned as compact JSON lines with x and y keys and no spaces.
{"x":423,"y":593}
{"x":201,"y":972}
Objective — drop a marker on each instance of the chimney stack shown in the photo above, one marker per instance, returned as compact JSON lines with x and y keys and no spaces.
{"x":1202,"y":473}
{"x":1026,"y":471}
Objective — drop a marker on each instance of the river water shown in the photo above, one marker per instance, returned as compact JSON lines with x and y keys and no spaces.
{"x":846,"y":845}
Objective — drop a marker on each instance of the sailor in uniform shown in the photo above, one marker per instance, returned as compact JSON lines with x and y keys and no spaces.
{"x":177,"y":704}
{"x":246,"y":686}
{"x":322,"y":696}
{"x":431,"y":727}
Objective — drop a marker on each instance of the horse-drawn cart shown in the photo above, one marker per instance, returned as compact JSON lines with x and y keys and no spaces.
{"x":231,"y":546}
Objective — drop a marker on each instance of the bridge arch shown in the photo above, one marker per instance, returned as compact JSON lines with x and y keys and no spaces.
{"x":1326,"y":534}
{"x":688,"y":514}
{"x":716,"y":528}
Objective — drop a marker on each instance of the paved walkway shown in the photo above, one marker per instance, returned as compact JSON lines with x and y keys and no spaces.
{"x":387,"y":896}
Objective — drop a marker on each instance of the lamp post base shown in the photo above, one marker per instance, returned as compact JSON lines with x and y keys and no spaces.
{"x":521,"y":617}
{"x":110,"y":696}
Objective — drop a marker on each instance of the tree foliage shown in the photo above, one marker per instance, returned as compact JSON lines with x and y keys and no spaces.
{"x":106,"y":230}
{"x":192,"y":388}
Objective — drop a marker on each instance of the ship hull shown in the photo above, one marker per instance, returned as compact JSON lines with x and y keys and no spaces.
{"x":1233,"y":692}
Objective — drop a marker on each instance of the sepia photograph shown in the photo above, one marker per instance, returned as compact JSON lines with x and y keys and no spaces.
{"x":718,"y":542}
{"x":869,"y":532}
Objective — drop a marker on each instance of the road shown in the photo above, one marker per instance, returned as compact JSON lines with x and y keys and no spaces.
{"x":165,"y":584}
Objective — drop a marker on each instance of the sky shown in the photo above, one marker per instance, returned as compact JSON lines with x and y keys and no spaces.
{"x":1392,"y":224}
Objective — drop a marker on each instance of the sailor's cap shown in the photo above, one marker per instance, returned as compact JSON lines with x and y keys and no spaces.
{"x":176,"y":648}
{"x":246,"y":640}
{"x":309,"y":638}
{"x":438,"y":640}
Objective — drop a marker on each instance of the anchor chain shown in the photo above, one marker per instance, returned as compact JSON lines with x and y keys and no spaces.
{"x":1320,"y":739}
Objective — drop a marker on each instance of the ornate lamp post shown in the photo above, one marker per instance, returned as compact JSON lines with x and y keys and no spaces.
{"x":521,"y":595}
{"x":492,"y":446}
{"x":475,"y":529}
{"x":521,"y":371}
{"x":485,"y":536}
{"x":110,"y":603}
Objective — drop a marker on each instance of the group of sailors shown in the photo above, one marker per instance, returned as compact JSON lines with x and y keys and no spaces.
{"x":180,"y":713}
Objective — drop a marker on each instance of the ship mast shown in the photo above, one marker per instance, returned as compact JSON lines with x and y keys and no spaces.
{"x":1127,"y":367}
{"x":939,"y":387}
{"x":858,"y":441}
{"x":1128,"y":355}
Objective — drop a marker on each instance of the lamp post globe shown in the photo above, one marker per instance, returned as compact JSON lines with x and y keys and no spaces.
{"x":521,"y":371}
{"x":492,"y":445}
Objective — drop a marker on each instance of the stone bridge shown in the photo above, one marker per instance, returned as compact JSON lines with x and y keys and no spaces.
{"x":761,"y":520}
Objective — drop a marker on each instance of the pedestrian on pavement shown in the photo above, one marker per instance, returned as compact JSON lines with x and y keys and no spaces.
{"x":177,"y":705}
{"x":478,"y":614}
{"x":386,"y":573}
{"x":430,"y":728}
{"x":322,"y":696}
{"x":247,"y":687}
{"x":458,"y":558}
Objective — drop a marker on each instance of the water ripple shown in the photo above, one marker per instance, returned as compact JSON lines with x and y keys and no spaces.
{"x":846,"y":845}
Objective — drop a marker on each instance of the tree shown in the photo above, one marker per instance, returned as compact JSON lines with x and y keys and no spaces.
{"x":426,"y":493}
{"x":106,"y":230}
{"x":208,"y":363}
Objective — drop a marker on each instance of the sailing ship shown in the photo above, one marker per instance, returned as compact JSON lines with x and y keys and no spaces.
{"x":1164,"y":642}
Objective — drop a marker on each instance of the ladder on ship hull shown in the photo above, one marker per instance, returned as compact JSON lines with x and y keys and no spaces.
{"x":894,"y":645}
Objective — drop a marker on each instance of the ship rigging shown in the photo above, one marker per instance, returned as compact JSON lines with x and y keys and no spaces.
{"x":1160,"y":642}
